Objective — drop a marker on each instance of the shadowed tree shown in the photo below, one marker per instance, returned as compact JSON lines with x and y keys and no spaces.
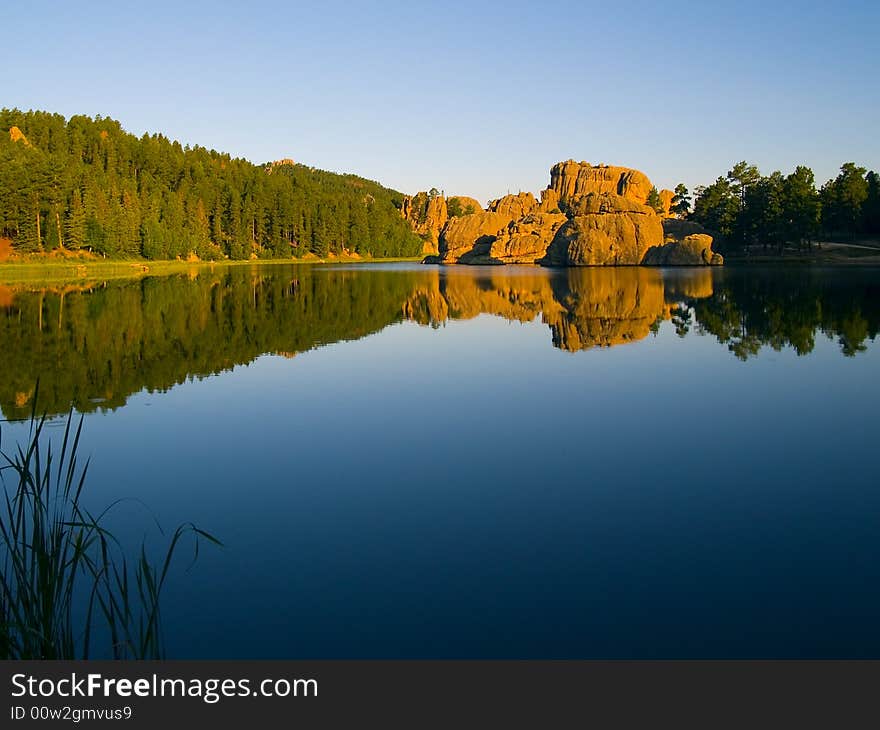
{"x":681,"y":201}
{"x":842,"y":199}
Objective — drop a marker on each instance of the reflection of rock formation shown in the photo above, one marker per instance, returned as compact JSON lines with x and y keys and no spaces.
{"x":605,"y":307}
{"x":692,"y":283}
{"x":584,"y":307}
{"x":517,"y":297}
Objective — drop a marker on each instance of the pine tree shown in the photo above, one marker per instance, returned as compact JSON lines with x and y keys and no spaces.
{"x":654,"y":201}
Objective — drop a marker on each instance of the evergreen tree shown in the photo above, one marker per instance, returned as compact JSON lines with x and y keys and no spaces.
{"x":681,"y":201}
{"x":871,"y":206}
{"x":717,"y":207}
{"x":842,"y":199}
{"x":85,"y":184}
{"x":801,"y":206}
{"x":654,"y":201}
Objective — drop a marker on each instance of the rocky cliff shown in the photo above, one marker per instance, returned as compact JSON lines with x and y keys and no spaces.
{"x":573,"y":180}
{"x":604,"y":229}
{"x":515,"y":229}
{"x":589,"y":215}
{"x":429,"y":213}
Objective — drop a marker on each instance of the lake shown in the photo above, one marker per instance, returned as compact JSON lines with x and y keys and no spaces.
{"x":423,"y":462}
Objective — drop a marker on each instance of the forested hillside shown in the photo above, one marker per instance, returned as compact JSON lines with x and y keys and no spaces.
{"x":86,"y":184}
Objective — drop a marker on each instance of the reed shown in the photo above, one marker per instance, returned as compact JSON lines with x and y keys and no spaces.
{"x":65,"y":578}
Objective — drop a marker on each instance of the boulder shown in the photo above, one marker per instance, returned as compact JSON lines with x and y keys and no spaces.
{"x":549,"y":201}
{"x":571,"y":180}
{"x":685,"y":244}
{"x":514,"y":206}
{"x":605,"y":230}
{"x":471,"y":234}
{"x":462,"y":205}
{"x":692,"y":250}
{"x":524,"y":242}
{"x":676,"y":229}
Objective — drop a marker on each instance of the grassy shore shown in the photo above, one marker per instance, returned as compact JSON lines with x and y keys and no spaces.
{"x":865,"y":252}
{"x":57,"y":271}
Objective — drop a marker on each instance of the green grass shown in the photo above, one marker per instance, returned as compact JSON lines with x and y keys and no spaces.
{"x":46,"y":270}
{"x":58,"y":562}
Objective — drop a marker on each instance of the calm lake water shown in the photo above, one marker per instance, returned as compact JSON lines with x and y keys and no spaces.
{"x":411,"y":461}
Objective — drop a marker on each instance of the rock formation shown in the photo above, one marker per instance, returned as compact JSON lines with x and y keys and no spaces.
{"x":16,"y":135}
{"x":427,"y":214}
{"x":589,"y":215}
{"x":666,"y":197}
{"x":685,"y":244}
{"x":471,"y":234}
{"x":462,"y":205}
{"x":514,"y":206}
{"x":693,"y":250}
{"x":572,"y":180}
{"x":605,"y":230}
{"x":271,"y":166}
{"x":525,"y":241}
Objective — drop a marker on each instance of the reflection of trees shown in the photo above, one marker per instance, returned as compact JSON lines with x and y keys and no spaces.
{"x":753,"y":308}
{"x":93,"y":345}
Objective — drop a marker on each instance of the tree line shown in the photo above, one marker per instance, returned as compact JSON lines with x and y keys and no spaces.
{"x":85,"y":184}
{"x":775,"y":210}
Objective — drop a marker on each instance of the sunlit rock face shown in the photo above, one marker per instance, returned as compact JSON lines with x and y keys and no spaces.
{"x":693,"y":250}
{"x":472,"y":235}
{"x":685,"y":244}
{"x":590,"y":215}
{"x":428,"y":215}
{"x":666,"y":197}
{"x":525,"y":241}
{"x":605,"y":229}
{"x":514,"y":206}
{"x":573,"y":180}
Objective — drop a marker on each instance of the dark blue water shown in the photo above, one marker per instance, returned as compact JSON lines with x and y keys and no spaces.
{"x":461,"y":487}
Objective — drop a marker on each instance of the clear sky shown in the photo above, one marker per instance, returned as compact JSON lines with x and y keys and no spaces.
{"x":472,"y":98}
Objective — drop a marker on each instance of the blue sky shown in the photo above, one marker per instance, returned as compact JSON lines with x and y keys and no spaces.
{"x":474,"y":99}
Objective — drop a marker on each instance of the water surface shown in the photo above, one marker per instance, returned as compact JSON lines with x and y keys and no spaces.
{"x":409,"y":461}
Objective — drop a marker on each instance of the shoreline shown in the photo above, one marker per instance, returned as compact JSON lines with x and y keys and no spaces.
{"x":56,"y":271}
{"x":77,"y":270}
